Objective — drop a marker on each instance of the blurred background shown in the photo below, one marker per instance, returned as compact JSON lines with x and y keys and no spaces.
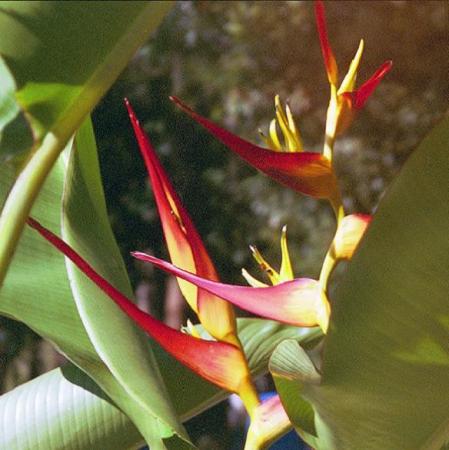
{"x":228,"y":60}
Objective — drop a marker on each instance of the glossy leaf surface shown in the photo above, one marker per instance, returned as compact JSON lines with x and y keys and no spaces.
{"x":63,"y":57}
{"x":41,"y":292}
{"x":65,"y":397}
{"x":386,"y":357}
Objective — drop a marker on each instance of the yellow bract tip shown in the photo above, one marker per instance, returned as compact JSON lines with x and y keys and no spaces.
{"x":286,"y":272}
{"x":275,"y":143}
{"x":291,"y":138}
{"x":348,"y":82}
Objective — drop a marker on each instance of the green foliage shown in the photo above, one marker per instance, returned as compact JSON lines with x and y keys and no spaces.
{"x":15,"y":134}
{"x":70,"y":408}
{"x":59,"y":81}
{"x":64,"y":58}
{"x":380,"y":378}
{"x":124,"y":375}
{"x":385,"y":360}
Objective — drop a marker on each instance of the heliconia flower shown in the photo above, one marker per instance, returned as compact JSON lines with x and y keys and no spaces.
{"x":269,"y":422}
{"x":185,"y":246}
{"x":348,"y":99}
{"x":220,"y":363}
{"x":286,"y":271}
{"x":299,"y":302}
{"x":306,"y":172}
{"x":349,"y":234}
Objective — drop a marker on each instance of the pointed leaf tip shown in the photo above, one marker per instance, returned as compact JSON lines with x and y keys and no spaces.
{"x":131,"y":113}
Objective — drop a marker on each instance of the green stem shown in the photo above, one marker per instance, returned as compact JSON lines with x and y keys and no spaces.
{"x":21,"y":198}
{"x":338,"y":208}
{"x":330,"y":263}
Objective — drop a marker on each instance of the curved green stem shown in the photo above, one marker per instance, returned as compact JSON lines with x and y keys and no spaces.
{"x":330,"y":262}
{"x":329,"y":265}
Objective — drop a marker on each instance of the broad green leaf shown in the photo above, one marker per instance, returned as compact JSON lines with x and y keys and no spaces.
{"x":66,"y":406}
{"x":63,"y":57}
{"x":86,"y":228}
{"x":15,"y":134}
{"x":63,"y":409}
{"x":292,"y":368}
{"x":37,"y":291}
{"x":385,"y":368}
{"x":8,"y":105}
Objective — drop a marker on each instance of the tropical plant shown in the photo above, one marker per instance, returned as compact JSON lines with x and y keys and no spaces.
{"x":356,"y":367}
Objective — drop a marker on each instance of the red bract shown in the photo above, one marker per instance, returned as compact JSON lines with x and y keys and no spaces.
{"x":185,"y":245}
{"x":220,"y":363}
{"x":298,"y":302}
{"x":328,"y":55}
{"x":306,"y":172}
{"x":348,"y":99}
{"x":359,"y":97}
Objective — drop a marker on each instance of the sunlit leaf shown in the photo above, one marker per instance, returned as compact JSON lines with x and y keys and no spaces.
{"x":63,"y":58}
{"x":60,"y":307}
{"x":67,"y":396}
{"x":15,"y":133}
{"x":385,"y":364}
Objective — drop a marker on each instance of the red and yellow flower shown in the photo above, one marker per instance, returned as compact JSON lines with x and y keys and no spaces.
{"x":310,"y":173}
{"x":301,"y":302}
{"x":345,"y":100}
{"x":220,"y":363}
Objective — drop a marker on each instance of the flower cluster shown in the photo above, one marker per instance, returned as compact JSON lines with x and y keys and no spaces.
{"x":303,"y":302}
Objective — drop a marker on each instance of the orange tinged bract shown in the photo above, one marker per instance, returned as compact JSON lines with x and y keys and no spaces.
{"x":220,"y":363}
{"x":185,"y":246}
{"x":268,"y":423}
{"x":299,"y":302}
{"x":307,"y":172}
{"x":345,"y":100}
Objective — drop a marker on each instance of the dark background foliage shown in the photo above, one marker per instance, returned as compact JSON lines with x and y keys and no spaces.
{"x":228,"y":60}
